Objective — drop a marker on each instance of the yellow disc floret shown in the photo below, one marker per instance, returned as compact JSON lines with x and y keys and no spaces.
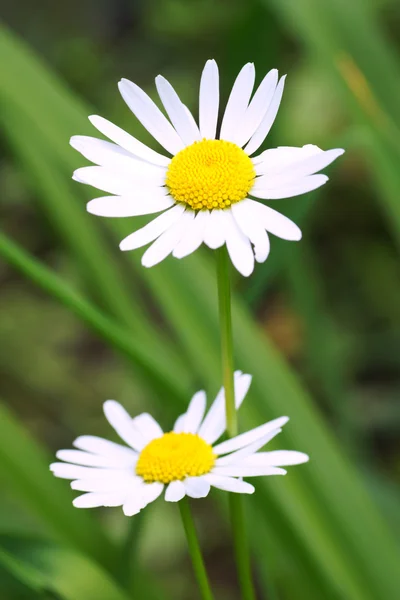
{"x":210,"y":174}
{"x":175,"y":456}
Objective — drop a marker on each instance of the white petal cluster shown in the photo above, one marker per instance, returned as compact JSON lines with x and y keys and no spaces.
{"x":105,"y":470}
{"x":134,"y":175}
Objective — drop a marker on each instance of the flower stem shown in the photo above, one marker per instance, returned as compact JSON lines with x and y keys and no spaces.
{"x":194,"y":550}
{"x":242,"y":553}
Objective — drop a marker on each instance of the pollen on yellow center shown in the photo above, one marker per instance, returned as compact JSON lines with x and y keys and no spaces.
{"x":210,"y":174}
{"x":175,"y":456}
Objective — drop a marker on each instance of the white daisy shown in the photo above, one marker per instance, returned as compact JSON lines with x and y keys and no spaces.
{"x":204,"y":191}
{"x":185,"y":461}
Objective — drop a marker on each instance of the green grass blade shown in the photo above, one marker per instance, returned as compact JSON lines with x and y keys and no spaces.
{"x":45,"y":566}
{"x":159,"y":371}
{"x":24,"y":468}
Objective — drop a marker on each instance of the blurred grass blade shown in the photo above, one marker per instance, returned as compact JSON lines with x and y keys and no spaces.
{"x":65,"y":207}
{"x":159,"y":371}
{"x":38,"y":161}
{"x":24,"y":468}
{"x":45,"y":566}
{"x":365,"y":68}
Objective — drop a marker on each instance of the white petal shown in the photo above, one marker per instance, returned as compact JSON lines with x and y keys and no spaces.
{"x":214,"y":231}
{"x":128,"y":142}
{"x":248,"y":222}
{"x":263,"y":129}
{"x":134,"y":501}
{"x":152,"y":230}
{"x":148,"y":427}
{"x":195,"y":413}
{"x":246,"y":471}
{"x":100,"y":152}
{"x":258,"y":107}
{"x":214,"y":424}
{"x":294,"y":162}
{"x":237,"y":103}
{"x":289,"y":190}
{"x":178,"y":113}
{"x":249,"y":437}
{"x":276,"y":223}
{"x":193,"y":236}
{"x":229,"y":484}
{"x":77,"y":457}
{"x":167,"y":241}
{"x":238,"y":245}
{"x":115,"y":206}
{"x":179,"y":423}
{"x":276,"y":458}
{"x":196,"y":487}
{"x":191,"y":118}
{"x":150,"y":116}
{"x":122,"y":483}
{"x":239,"y":455}
{"x":132,"y":506}
{"x":121,"y":421}
{"x":209,"y":100}
{"x":141,"y":497}
{"x":93,"y":500}
{"x":66,"y":471}
{"x":152,"y":491}
{"x":175,"y":491}
{"x":120,"y":184}
{"x":114,"y":158}
{"x":97,"y":445}
{"x":275,"y":160}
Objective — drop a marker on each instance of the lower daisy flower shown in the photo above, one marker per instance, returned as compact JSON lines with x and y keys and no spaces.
{"x":184,"y":460}
{"x":212,"y":189}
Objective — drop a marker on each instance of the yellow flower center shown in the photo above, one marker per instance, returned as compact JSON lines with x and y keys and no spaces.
{"x":210,"y":174}
{"x":175,"y":456}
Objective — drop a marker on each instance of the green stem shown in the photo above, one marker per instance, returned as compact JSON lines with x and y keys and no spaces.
{"x":194,"y":550}
{"x":242,"y":553}
{"x":224,"y":302}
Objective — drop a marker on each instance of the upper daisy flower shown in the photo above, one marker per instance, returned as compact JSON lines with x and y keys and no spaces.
{"x":184,"y":460}
{"x":205,"y":189}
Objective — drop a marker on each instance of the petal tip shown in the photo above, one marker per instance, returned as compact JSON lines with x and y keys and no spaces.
{"x":124,"y":246}
{"x":75,"y":176}
{"x":90,"y":208}
{"x":109,"y":405}
{"x":74,"y":141}
{"x":94,"y":119}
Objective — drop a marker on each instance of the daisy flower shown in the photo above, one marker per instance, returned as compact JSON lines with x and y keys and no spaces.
{"x":206,"y":190}
{"x":184,"y":461}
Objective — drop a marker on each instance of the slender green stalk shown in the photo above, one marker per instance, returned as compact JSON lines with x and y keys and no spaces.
{"x":194,"y":550}
{"x":242,"y":553}
{"x":224,"y":302}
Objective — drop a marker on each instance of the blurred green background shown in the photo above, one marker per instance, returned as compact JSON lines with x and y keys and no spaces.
{"x":318,"y":325}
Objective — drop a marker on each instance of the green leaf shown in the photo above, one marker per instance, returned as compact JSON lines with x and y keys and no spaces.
{"x":45,"y":566}
{"x":24,"y":469}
